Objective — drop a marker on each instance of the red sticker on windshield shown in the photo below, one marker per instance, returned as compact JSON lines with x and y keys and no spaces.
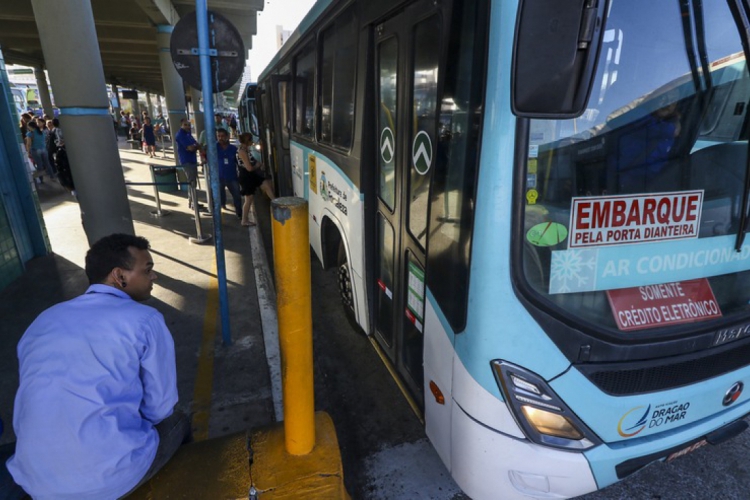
{"x":664,"y":304}
{"x":617,"y":220}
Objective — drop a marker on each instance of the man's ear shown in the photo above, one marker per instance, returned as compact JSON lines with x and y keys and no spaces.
{"x":117,"y":277}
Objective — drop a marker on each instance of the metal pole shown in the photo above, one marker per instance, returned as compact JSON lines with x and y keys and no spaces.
{"x":209,"y":195}
{"x":199,"y":237}
{"x":163,"y":148}
{"x":158,"y":212}
{"x":291,"y":260}
{"x":201,"y":12}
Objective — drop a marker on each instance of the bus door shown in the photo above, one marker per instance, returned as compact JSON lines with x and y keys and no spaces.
{"x":406,"y":70}
{"x":281,"y":95}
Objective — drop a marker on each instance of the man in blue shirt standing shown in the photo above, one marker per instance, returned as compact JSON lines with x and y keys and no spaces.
{"x":187,"y":148}
{"x":94,"y":412}
{"x":228,"y":171}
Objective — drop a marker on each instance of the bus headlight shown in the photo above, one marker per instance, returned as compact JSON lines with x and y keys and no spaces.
{"x":550,"y":423}
{"x":539,"y":412}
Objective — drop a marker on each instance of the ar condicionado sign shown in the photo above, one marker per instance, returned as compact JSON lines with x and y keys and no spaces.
{"x":617,"y":220}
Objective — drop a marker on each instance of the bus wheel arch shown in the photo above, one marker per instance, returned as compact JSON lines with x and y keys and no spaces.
{"x":330,"y":242}
{"x":333,"y":250}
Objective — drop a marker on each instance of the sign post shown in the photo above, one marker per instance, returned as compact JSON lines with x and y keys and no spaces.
{"x":218,"y":68}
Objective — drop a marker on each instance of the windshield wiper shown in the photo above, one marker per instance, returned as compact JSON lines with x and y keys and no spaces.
{"x":739,"y":9}
{"x":700,"y":33}
{"x":687,"y":32}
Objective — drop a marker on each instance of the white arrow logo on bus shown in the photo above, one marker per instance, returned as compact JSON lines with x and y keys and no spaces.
{"x":387,"y":145}
{"x":421,"y":152}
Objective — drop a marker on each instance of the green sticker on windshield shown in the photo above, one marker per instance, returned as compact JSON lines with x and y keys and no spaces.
{"x":547,"y":234}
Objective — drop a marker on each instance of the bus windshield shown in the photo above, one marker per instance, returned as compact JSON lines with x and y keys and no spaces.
{"x":632,"y":210}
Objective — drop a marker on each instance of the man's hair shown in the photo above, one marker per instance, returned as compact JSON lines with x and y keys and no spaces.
{"x":183,"y":121}
{"x":111,"y":252}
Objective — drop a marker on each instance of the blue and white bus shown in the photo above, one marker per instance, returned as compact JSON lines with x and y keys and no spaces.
{"x":537,"y":211}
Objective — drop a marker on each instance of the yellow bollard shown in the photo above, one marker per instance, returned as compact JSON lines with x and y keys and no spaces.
{"x":291,"y":256}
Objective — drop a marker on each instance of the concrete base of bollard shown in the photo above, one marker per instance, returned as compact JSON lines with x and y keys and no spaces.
{"x":277,"y":475}
{"x":216,"y":468}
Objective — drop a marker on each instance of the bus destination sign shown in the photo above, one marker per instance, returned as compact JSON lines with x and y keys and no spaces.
{"x":618,"y":220}
{"x":665,"y":304}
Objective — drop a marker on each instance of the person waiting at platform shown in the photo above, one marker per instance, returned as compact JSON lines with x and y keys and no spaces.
{"x":149,"y":138}
{"x":36,"y":148}
{"x":124,"y":123}
{"x":251,"y":177}
{"x":187,"y":149}
{"x":94,"y":414}
{"x":24,"y":124}
{"x":227,"y":157}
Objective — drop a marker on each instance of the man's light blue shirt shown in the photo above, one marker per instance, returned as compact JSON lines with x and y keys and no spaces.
{"x":96,"y":374}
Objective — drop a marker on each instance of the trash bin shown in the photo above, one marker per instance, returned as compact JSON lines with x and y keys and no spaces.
{"x":165,"y":178}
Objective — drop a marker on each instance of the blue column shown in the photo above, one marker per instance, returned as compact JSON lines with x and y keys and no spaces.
{"x":208,"y":105}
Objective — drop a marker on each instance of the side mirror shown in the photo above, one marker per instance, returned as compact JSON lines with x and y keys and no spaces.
{"x":554,"y":56}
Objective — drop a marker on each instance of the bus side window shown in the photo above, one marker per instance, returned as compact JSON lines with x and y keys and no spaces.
{"x":455,"y":171}
{"x":304,"y":85}
{"x":337,"y":64}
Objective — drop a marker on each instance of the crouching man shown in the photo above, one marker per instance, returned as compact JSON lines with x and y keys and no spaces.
{"x":94,"y":413}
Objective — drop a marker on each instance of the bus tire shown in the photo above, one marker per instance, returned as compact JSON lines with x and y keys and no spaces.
{"x":344,"y":279}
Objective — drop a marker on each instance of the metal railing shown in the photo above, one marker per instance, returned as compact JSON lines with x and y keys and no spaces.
{"x":192,"y":194}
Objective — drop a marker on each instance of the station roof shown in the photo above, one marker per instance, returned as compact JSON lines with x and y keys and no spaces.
{"x":127,"y":35}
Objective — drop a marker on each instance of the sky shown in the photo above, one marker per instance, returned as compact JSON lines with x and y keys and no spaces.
{"x":288,"y":14}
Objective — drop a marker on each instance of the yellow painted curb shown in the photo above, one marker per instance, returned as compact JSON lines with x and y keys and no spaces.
{"x":217,"y":469}
{"x":277,"y":475}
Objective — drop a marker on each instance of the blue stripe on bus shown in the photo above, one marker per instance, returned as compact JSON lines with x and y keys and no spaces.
{"x":80,"y":111}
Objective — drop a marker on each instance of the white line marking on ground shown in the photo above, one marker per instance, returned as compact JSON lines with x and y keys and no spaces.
{"x":269,"y":322}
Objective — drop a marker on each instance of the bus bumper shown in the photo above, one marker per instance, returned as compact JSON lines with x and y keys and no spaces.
{"x":487,"y":464}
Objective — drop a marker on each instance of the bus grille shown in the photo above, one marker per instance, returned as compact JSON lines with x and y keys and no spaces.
{"x":630,"y":378}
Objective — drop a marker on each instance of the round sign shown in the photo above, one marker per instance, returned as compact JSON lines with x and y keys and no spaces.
{"x":387,"y":145}
{"x":226,"y":47}
{"x":421,"y":152}
{"x":547,"y":234}
{"x":531,"y":196}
